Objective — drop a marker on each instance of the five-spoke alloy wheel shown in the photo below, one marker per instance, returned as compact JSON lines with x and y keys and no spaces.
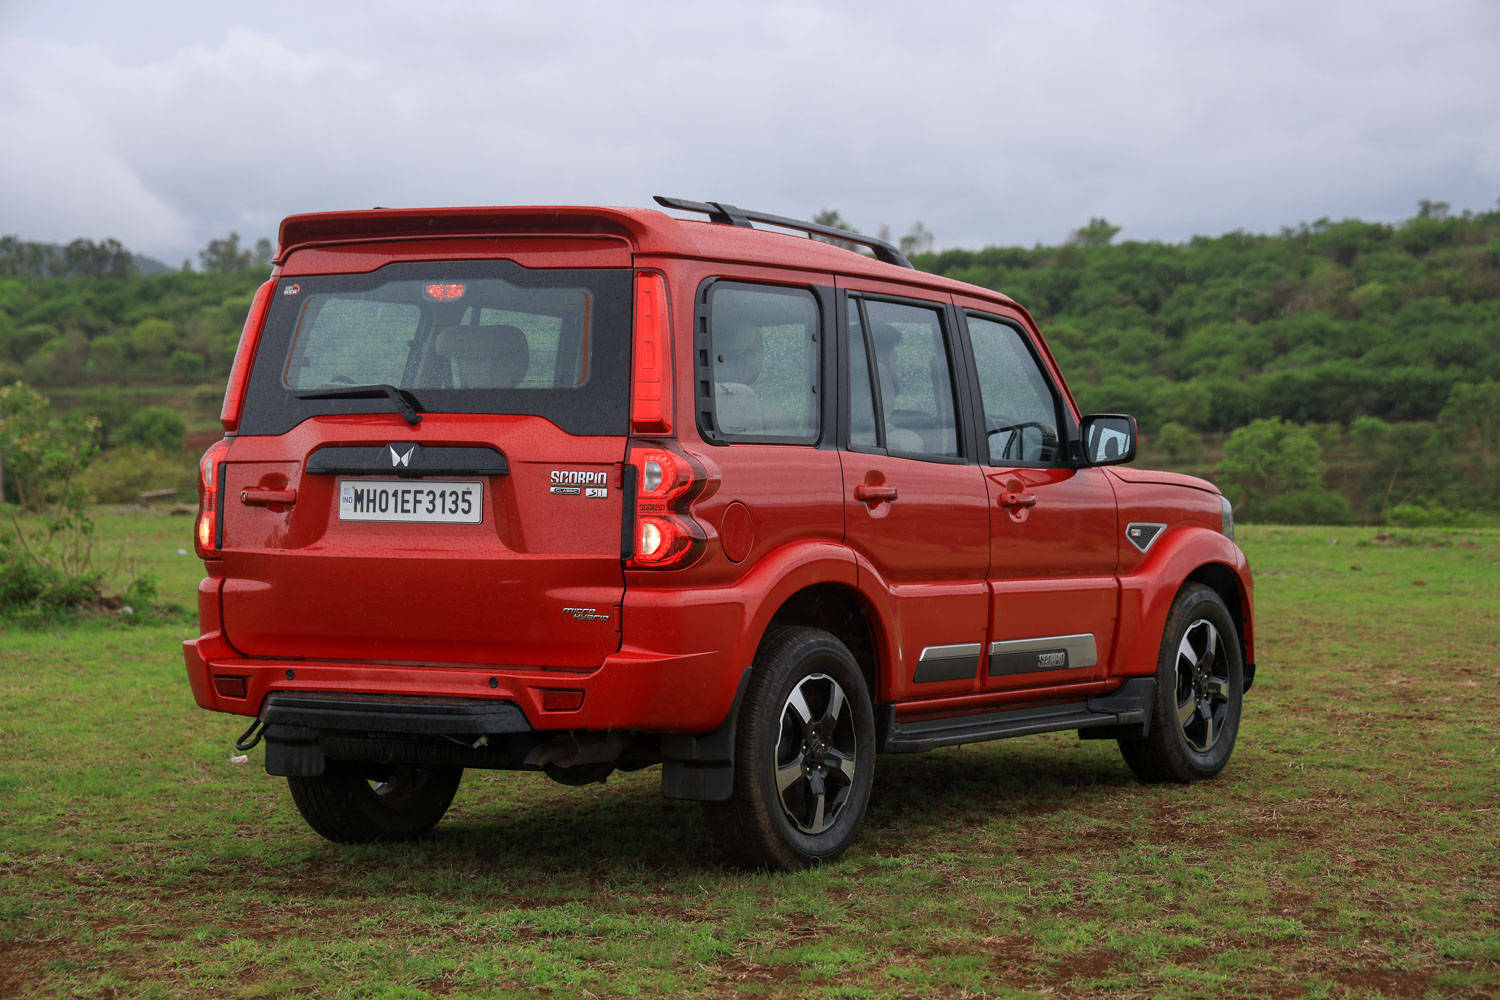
{"x":804,"y":755}
{"x":1200,"y":682}
{"x":816,"y":753}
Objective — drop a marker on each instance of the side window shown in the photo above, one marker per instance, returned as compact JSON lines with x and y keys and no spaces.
{"x":763,"y":361}
{"x":1021,"y":413}
{"x":914,"y":377}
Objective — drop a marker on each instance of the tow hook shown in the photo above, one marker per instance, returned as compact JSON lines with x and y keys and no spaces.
{"x":251,"y":736}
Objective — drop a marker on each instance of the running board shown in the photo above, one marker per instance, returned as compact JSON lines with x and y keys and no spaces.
{"x":1126,"y":711}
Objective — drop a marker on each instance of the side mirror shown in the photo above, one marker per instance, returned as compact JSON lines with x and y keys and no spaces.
{"x":1109,"y":438}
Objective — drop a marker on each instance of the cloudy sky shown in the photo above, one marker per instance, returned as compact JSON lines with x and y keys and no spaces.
{"x":167,"y":124}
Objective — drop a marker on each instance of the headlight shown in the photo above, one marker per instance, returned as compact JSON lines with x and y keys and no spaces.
{"x":1227,"y":514}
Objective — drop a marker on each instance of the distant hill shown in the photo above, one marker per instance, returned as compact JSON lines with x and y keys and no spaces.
{"x":1379,"y":342}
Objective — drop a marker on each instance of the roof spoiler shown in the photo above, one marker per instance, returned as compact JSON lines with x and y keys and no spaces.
{"x":718,"y":211}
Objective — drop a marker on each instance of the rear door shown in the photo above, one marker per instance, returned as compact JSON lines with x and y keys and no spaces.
{"x":488,"y":530}
{"x":916,"y":507}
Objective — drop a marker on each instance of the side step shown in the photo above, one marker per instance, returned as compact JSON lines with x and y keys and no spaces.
{"x":1126,"y":711}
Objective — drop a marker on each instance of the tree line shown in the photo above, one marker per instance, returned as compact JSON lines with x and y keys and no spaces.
{"x":1334,"y":371}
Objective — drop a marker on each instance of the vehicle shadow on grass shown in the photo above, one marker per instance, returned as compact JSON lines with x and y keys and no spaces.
{"x":519,"y":828}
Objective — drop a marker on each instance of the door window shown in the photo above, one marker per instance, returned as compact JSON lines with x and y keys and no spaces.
{"x":913,"y":381}
{"x":1020,"y":409}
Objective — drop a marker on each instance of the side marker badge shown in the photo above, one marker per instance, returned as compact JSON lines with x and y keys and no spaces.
{"x":1142,"y":534}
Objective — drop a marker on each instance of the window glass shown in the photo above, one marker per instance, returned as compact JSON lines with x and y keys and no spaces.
{"x":1020,"y":410}
{"x":916,"y":383}
{"x":477,"y":334}
{"x":861,"y":399}
{"x":463,"y":336}
{"x":763,"y":356}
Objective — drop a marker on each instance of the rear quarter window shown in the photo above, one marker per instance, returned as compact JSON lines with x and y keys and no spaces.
{"x":759,"y":364}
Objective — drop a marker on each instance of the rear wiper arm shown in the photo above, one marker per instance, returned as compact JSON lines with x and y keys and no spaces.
{"x":407,"y":403}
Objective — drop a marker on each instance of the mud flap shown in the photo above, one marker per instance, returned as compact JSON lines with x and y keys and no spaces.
{"x":701,"y":768}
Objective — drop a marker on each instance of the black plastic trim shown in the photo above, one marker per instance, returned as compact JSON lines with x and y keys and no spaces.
{"x":382,"y":714}
{"x":425,"y":460}
{"x":957,"y":666}
{"x":1128,"y":706}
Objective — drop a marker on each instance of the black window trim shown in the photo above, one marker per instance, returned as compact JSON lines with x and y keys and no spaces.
{"x":703,"y":391}
{"x":959,"y":371}
{"x":1068,"y":433}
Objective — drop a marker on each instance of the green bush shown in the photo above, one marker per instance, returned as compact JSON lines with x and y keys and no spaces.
{"x":1428,"y":515}
{"x":31,"y":592}
{"x":121,"y":475}
{"x":160,"y":428}
{"x":1314,"y":505}
{"x":185,"y":363}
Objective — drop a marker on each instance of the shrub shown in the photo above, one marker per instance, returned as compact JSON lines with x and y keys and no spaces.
{"x":1266,"y":463}
{"x":121,"y":475}
{"x":185,"y":364}
{"x":1428,"y":515}
{"x":1306,"y":506}
{"x":160,"y":428}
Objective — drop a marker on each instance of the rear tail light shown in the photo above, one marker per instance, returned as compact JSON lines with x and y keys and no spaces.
{"x":666,"y":535}
{"x":208,"y":537}
{"x":651,"y":380}
{"x":244,"y":356}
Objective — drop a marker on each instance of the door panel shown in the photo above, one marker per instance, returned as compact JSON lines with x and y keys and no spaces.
{"x":1052,"y":576}
{"x":1053,"y":534}
{"x":916,"y":508}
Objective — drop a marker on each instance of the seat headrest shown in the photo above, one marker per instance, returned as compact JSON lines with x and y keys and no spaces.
{"x":494,"y":356}
{"x":740,"y":352}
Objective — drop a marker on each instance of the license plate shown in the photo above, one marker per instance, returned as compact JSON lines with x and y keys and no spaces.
{"x":424,"y":502}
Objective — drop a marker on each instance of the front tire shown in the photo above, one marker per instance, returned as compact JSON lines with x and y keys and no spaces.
{"x":1200,"y":685}
{"x":804,"y":756}
{"x":354,"y":803}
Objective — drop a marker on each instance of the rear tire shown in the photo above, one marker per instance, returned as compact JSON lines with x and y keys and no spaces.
{"x":804,"y":756}
{"x":354,"y":803}
{"x":1200,"y":685}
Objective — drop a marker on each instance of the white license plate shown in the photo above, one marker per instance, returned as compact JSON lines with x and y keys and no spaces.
{"x":415,"y":501}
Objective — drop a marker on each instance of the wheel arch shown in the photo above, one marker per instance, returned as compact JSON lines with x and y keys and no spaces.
{"x":1224,"y":581}
{"x":1184,"y":556}
{"x":842,"y":611}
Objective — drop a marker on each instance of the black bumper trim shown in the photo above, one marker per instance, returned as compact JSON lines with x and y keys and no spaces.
{"x":395,"y":715}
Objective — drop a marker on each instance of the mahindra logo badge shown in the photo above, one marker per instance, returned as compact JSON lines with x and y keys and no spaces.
{"x":401,"y":459}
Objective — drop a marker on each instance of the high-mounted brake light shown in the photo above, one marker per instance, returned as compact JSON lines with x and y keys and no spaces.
{"x":651,"y":381}
{"x":444,"y":292}
{"x":666,"y":535}
{"x":244,"y":356}
{"x":208,"y":536}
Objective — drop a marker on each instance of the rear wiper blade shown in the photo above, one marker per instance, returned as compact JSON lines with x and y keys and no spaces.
{"x":407,"y":403}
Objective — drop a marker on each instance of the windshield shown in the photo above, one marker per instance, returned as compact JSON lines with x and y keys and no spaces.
{"x":466,"y":336}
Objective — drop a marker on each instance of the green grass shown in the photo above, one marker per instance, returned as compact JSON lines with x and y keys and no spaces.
{"x":1351,"y":849}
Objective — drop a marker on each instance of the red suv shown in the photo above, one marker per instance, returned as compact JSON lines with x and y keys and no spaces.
{"x":578,"y":489}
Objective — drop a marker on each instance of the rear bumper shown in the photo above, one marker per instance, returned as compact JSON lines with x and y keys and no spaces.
{"x":636,"y":690}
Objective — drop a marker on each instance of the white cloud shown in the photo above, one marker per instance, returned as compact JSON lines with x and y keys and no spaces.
{"x":992,"y":123}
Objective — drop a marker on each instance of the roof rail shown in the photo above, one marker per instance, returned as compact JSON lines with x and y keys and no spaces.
{"x":718,"y":211}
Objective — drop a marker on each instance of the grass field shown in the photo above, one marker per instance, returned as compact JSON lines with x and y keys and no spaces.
{"x":1351,"y":849}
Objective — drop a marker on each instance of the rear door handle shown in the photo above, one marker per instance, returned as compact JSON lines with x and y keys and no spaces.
{"x":874,"y":494}
{"x":264,"y":498}
{"x":1009,"y":499}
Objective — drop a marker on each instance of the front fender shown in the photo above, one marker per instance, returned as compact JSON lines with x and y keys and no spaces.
{"x":1146,"y":594}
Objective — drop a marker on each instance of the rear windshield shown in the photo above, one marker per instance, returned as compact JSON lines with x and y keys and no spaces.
{"x":459,"y":336}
